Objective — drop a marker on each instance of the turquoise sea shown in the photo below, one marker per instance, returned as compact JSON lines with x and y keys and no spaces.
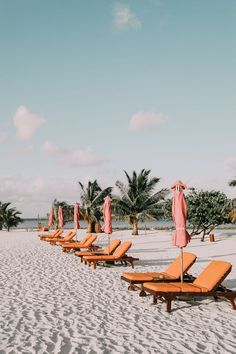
{"x":29,"y":224}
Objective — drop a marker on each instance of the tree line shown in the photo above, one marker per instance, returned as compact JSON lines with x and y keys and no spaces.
{"x":138,"y":200}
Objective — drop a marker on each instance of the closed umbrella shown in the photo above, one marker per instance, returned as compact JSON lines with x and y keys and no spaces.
{"x":60,"y":217}
{"x":181,"y":236}
{"x":51,"y":218}
{"x":107,"y":227}
{"x":76,"y":218}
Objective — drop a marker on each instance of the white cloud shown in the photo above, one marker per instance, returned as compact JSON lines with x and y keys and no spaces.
{"x":82,"y":157}
{"x":3,"y":136}
{"x":123,"y":18}
{"x":33,"y":195}
{"x":147,"y":120}
{"x":50,"y":148}
{"x":73,"y":158}
{"x":26,"y":123}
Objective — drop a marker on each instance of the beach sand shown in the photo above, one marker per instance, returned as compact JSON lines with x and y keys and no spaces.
{"x":51,"y":303}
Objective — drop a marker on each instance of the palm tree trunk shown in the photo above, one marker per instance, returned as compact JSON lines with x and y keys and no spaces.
{"x":91,"y":226}
{"x":97,"y":228}
{"x":135,"y":228}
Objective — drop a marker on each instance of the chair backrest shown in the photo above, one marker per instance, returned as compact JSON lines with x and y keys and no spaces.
{"x":90,"y":241}
{"x":85,"y":238}
{"x":69,"y":236}
{"x":174,"y":268}
{"x":122,"y":249}
{"x":111,"y":248}
{"x":213,"y":275}
{"x":57,"y":233}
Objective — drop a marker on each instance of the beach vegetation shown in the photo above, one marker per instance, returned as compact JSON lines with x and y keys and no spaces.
{"x":9,"y":217}
{"x":92,"y":198}
{"x":3,"y":208}
{"x":206,"y":211}
{"x":67,"y":211}
{"x":232,"y":183}
{"x":232,"y":213}
{"x":137,"y":200}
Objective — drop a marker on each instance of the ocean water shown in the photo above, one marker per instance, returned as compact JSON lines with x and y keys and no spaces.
{"x":29,"y":224}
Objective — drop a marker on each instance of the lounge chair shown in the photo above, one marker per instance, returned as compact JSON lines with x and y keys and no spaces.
{"x":208,"y":283}
{"x":107,"y":251}
{"x":172,"y":273}
{"x":87,"y":242}
{"x":56,"y":233}
{"x":68,"y":237}
{"x":118,"y":255}
{"x":39,"y":229}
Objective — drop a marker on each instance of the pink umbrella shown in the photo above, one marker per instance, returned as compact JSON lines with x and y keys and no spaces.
{"x":179,"y":213}
{"x":76,"y":217}
{"x":60,"y":217}
{"x":51,"y":218}
{"x":107,"y":227}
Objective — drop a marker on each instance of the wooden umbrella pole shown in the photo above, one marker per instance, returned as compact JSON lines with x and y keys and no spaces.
{"x":181,"y":264}
{"x":108,"y":244}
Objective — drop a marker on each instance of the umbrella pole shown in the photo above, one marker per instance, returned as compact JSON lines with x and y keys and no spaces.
{"x":181,"y":264}
{"x":108,"y":244}
{"x":76,"y":234}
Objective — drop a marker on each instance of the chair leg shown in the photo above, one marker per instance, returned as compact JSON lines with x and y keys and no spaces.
{"x":168,"y":304}
{"x":94,"y":265}
{"x":142,"y":293}
{"x":231,"y":299}
{"x":131,"y":287}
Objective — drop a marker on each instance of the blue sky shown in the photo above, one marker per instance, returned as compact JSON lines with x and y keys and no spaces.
{"x":90,"y":88}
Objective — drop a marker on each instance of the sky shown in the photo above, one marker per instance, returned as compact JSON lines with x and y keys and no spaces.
{"x":90,"y":88}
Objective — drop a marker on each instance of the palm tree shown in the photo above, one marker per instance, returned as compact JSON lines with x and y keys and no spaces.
{"x":232,"y":183}
{"x":3,"y":208}
{"x":92,"y":197}
{"x":138,"y":201}
{"x":11,"y":218}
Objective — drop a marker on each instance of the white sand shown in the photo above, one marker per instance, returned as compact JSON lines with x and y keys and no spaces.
{"x":50,"y":303}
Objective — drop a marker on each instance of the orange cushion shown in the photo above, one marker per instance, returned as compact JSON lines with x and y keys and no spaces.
{"x":73,"y":245}
{"x":190,"y":288}
{"x":162,"y":287}
{"x":148,"y":276}
{"x":100,"y":258}
{"x":137,"y":276}
{"x":78,"y":253}
{"x":174,"y":287}
{"x":122,"y":249}
{"x":213,"y":274}
{"x":174,"y":269}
